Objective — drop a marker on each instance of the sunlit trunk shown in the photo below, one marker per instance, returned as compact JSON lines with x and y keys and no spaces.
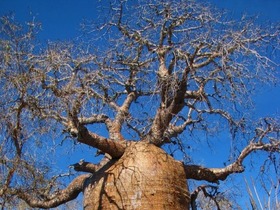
{"x":145,"y":177}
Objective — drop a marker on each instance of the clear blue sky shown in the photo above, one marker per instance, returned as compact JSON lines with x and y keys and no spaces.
{"x":61,"y":18}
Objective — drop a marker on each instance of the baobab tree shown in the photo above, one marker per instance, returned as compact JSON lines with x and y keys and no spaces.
{"x":146,"y":77}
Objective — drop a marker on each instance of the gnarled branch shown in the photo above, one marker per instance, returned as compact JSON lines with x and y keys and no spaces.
{"x":60,"y":197}
{"x":90,"y":167}
{"x":114,"y":148}
{"x":215,"y":174}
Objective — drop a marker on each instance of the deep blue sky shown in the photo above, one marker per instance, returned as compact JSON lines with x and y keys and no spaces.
{"x":61,"y":18}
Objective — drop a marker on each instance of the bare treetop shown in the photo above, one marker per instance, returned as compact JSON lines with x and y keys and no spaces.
{"x":187,"y":56}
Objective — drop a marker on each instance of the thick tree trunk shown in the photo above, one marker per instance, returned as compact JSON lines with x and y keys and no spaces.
{"x":145,"y":177}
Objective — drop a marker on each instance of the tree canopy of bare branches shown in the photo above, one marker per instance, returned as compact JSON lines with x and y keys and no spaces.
{"x":153,"y":72}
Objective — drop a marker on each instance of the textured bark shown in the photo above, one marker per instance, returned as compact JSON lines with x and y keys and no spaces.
{"x":145,"y":177}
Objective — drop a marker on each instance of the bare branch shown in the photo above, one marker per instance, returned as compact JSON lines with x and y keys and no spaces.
{"x":60,"y":197}
{"x":97,"y":118}
{"x":114,"y":148}
{"x":121,"y":116}
{"x":84,"y":166}
{"x":175,"y":130}
{"x":170,"y":106}
{"x":215,"y":174}
{"x":90,"y":167}
{"x":206,"y":194}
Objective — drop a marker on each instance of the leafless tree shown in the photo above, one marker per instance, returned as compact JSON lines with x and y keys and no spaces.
{"x":145,"y":76}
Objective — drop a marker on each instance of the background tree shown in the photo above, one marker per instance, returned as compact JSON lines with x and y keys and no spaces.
{"x":156,"y":74}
